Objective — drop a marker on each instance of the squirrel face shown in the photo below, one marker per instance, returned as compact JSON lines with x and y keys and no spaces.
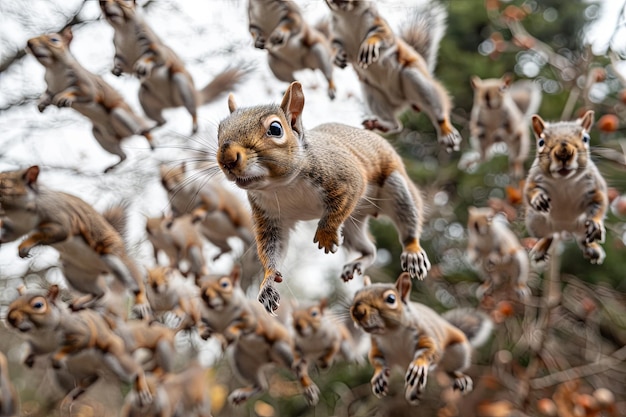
{"x":490,"y":92}
{"x":379,"y":308}
{"x":159,"y":279}
{"x":118,"y":11}
{"x":17,"y":187}
{"x":563,"y":147}
{"x":479,"y":219}
{"x":50,"y":48}
{"x":32,"y":311}
{"x":218,"y":292}
{"x":257,"y":146}
{"x":307,"y":321}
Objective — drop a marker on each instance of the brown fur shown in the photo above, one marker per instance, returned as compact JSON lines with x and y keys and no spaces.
{"x":412,"y":336}
{"x":71,"y":85}
{"x":335,"y":173}
{"x":564,"y":191}
{"x":9,"y":400}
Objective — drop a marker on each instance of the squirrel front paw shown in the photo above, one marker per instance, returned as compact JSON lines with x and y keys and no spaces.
{"x":464,"y":384}
{"x":416,"y":377}
{"x":341,"y":57}
{"x":594,"y":253}
{"x":380,"y":383}
{"x":142,"y":310}
{"x":540,"y":201}
{"x":259,"y":42}
{"x":143,"y":68}
{"x":312,"y":394}
{"x":269,"y":296}
{"x":369,"y":52}
{"x":416,"y":263}
{"x":24,"y":251}
{"x":451,"y":141}
{"x":327,"y":239}
{"x":64,"y":100}
{"x":349,"y":269}
{"x":594,"y":231}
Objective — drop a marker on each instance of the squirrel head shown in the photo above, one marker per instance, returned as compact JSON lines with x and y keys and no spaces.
{"x":118,"y":12}
{"x":51,"y":48}
{"x":34,"y":310}
{"x":479,"y":219}
{"x":260,"y":147}
{"x":348,"y":5}
{"x":491,"y":91}
{"x":307,"y":321}
{"x":563,"y":147}
{"x":220,"y":292}
{"x":17,"y":188}
{"x":378,"y":308}
{"x":159,"y":278}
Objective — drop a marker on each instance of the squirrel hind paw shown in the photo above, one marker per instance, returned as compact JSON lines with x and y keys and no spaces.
{"x":452,"y":140}
{"x":594,"y":253}
{"x":350,"y":269}
{"x":464,"y":384}
{"x":415,"y":263}
{"x":269,"y":297}
{"x":312,"y":394}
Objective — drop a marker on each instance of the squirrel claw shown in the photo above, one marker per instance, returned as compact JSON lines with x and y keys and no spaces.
{"x":540,"y":202}
{"x":416,"y":377}
{"x":451,"y":141}
{"x":349,"y":269}
{"x":312,"y":394}
{"x":464,"y":384}
{"x":380,"y":383}
{"x":270,"y":298}
{"x":415,"y":263}
{"x":594,"y":231}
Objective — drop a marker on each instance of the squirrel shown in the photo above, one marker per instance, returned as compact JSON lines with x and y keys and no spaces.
{"x":496,"y":251}
{"x":292,"y":44}
{"x":338,"y":174}
{"x":175,"y":394}
{"x":87,"y":243}
{"x":69,"y":84}
{"x":9,"y":400}
{"x":394,"y":71}
{"x":414,"y":337}
{"x":165,"y":82}
{"x":179,"y":303}
{"x":50,"y":328}
{"x":258,"y":338}
{"x":319,"y":337}
{"x":180,"y":239}
{"x":564,"y":191}
{"x":500,"y":113}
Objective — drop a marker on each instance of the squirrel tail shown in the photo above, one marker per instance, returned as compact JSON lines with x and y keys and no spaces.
{"x":223,"y":82}
{"x":527,"y":96}
{"x":424,"y":29}
{"x":117,"y":217}
{"x":476,"y":325}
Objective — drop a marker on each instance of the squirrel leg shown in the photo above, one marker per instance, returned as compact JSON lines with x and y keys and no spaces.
{"x":430,"y":96}
{"x":378,"y":104}
{"x":321,"y":58}
{"x":281,"y":69}
{"x":151,"y":104}
{"x":356,"y":238}
{"x":539,"y":252}
{"x":185,"y":94}
{"x":45,"y":234}
{"x":593,"y":251}
{"x":109,"y":143}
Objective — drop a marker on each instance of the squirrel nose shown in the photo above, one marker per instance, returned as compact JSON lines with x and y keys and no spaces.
{"x":564,"y":153}
{"x":358,"y":312}
{"x":230,"y":157}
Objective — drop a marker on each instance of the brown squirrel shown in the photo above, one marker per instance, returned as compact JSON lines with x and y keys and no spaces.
{"x":500,"y":113}
{"x":336,"y":173}
{"x":258,"y":339}
{"x":50,"y":328}
{"x":172,"y":298}
{"x":564,"y":191}
{"x":415,"y":338}
{"x":292,"y":44}
{"x":9,"y":400}
{"x":395,"y":71}
{"x":175,"y":394}
{"x":496,"y":251}
{"x":180,"y":238}
{"x":319,"y":337}
{"x":165,"y":82}
{"x":71,"y":85}
{"x":88,"y":244}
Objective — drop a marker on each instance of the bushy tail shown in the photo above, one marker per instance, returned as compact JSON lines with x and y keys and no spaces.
{"x":477,"y":326}
{"x":223,"y":82}
{"x":424,"y":29}
{"x":527,"y":96}
{"x":117,"y":217}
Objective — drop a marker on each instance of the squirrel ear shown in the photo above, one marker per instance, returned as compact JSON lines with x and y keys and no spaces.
{"x":507,"y":79}
{"x":53,"y":292}
{"x":403,"y":285}
{"x":31,"y":175}
{"x":323,"y":304}
{"x":232,"y":106}
{"x":587,"y":120}
{"x":538,"y":125}
{"x":367,"y":281}
{"x":67,"y":35}
{"x":235,"y":273}
{"x":292,"y":105}
{"x":475,"y":81}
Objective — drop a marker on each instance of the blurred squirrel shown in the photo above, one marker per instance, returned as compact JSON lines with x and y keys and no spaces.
{"x":71,"y":85}
{"x":292,"y":44}
{"x":338,"y":174}
{"x":87,"y":243}
{"x":175,"y":394}
{"x":9,"y":400}
{"x":564,"y":191}
{"x":165,"y":82}
{"x":258,"y":339}
{"x":175,"y":300}
{"x":501,"y":111}
{"x":415,"y":338}
{"x":320,"y":338}
{"x":496,"y":251}
{"x":180,"y":238}
{"x":63,"y":333}
{"x":395,"y":71}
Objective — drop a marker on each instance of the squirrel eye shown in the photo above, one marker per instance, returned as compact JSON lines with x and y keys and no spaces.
{"x":224,"y":283}
{"x":586,"y":137}
{"x":37,"y":304}
{"x":390,"y":299}
{"x":541,"y":142}
{"x":54,"y":39}
{"x":275,"y":129}
{"x":314,"y":313}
